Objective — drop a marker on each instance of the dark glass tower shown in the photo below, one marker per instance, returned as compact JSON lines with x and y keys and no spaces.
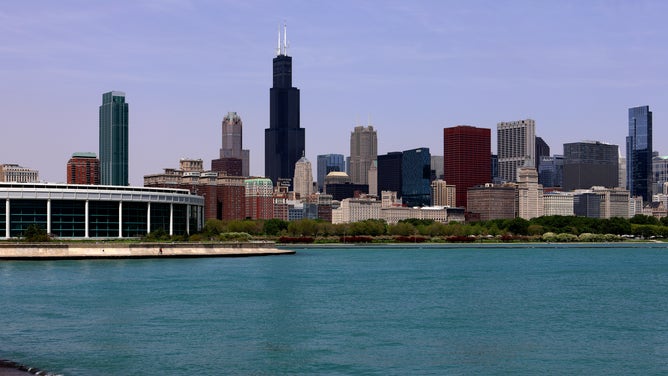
{"x":416,"y":177}
{"x":590,"y":163}
{"x":284,"y":139}
{"x":639,"y":153}
{"x":114,"y":139}
{"x":389,"y":172}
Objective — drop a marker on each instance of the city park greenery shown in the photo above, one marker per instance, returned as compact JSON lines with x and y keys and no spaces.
{"x":547,"y":228}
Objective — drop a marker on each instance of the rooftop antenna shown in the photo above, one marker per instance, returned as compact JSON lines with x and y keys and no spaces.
{"x":285,"y":39}
{"x":278,"y":46}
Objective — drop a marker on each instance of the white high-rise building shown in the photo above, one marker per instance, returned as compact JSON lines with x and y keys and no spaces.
{"x":443,"y":194}
{"x":303,"y":180}
{"x":529,"y":194}
{"x":516,"y":147}
{"x":363,"y":151}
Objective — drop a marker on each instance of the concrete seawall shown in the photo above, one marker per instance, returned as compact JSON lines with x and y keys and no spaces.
{"x":64,"y":251}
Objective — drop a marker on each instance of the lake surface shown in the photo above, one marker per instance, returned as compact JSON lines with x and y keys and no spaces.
{"x":356,"y":311}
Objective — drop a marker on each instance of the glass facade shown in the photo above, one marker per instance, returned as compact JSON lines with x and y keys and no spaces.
{"x":113,"y":139}
{"x":66,"y":211}
{"x":23,"y":213}
{"x":551,"y":171}
{"x":590,"y":163}
{"x":639,"y":153}
{"x":135,"y":219}
{"x":3,"y":222}
{"x":416,"y":174}
{"x":179,"y":219}
{"x":68,"y":218}
{"x":328,"y":163}
{"x":103,"y":219}
{"x":159,"y":217}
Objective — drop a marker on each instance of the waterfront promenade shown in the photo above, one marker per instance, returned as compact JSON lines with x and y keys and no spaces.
{"x":102,"y":250}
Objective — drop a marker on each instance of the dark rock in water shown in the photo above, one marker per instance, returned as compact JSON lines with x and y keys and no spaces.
{"x":9,"y":368}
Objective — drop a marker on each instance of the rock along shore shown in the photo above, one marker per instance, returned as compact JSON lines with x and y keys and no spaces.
{"x":102,"y":250}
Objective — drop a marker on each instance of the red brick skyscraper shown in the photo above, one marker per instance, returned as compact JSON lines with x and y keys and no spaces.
{"x":467,"y":158}
{"x":83,"y":168}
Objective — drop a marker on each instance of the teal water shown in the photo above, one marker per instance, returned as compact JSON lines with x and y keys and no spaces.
{"x":358,"y":311}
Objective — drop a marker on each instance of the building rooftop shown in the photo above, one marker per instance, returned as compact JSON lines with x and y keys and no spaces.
{"x":84,"y":154}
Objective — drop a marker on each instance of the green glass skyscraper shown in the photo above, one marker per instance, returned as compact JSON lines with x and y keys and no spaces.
{"x":639,"y":153}
{"x":114,"y":139}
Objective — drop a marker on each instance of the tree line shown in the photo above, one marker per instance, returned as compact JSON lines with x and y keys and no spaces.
{"x":638,"y":226}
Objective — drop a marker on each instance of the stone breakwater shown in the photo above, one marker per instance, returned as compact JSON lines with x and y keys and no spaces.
{"x":55,"y":251}
{"x":10,"y":368}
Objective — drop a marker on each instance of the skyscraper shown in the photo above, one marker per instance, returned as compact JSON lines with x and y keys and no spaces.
{"x":303,"y":180}
{"x":590,"y":163}
{"x":466,"y":158}
{"x":233,"y":142}
{"x":328,"y":163}
{"x":542,"y":150}
{"x":639,"y":153}
{"x":516,"y":147}
{"x":363,"y":151}
{"x":83,"y":168}
{"x":114,"y":139}
{"x":284,"y":139}
{"x":416,"y":177}
{"x":389,"y":172}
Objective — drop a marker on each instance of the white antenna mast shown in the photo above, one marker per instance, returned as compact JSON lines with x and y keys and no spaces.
{"x":278,"y":46}
{"x":285,"y":39}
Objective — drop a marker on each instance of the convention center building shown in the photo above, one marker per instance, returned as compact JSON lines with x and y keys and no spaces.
{"x":95,"y":211}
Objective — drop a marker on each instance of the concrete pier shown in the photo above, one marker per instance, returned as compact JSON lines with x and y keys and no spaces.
{"x":65,"y":251}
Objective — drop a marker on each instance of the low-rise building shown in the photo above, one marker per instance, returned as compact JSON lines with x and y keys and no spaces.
{"x":491,"y":201}
{"x":558,"y":203}
{"x":13,"y":173}
{"x":601,"y":202}
{"x":93,"y":211}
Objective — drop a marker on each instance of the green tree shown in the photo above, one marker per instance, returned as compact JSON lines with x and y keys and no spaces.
{"x":35,"y":234}
{"x":212,"y":228}
{"x":402,"y":229}
{"x":518,"y":226}
{"x":274,"y":227}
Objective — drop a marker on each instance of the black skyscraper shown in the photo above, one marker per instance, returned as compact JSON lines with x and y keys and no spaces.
{"x":284,"y":139}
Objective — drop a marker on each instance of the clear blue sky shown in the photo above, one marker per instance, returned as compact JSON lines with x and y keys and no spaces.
{"x":412,"y":68}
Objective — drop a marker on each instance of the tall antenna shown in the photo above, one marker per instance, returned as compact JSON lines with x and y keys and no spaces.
{"x":285,"y":38}
{"x":278,"y":46}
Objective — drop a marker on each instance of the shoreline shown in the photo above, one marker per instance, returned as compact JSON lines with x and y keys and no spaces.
{"x":84,"y":251}
{"x":651,"y":244}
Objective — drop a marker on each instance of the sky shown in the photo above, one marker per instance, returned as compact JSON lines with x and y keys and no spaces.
{"x":409,"y":68}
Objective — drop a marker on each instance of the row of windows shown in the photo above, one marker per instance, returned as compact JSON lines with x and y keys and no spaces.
{"x":68,"y":218}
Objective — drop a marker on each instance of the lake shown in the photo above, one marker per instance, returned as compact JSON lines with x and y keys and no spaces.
{"x":388,"y":310}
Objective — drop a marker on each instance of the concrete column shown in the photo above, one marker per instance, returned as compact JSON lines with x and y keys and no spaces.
{"x":148,"y":219}
{"x":48,"y":216}
{"x":7,"y":219}
{"x":188,"y":219}
{"x":171,"y":219}
{"x":199,"y":218}
{"x":120,"y":219}
{"x":86,"y":235}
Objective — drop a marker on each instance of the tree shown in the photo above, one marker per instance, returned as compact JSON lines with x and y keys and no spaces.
{"x":274,"y":227}
{"x":518,"y":226}
{"x":35,"y":234}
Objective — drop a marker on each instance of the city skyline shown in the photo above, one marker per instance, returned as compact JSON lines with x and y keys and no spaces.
{"x":426,"y":66}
